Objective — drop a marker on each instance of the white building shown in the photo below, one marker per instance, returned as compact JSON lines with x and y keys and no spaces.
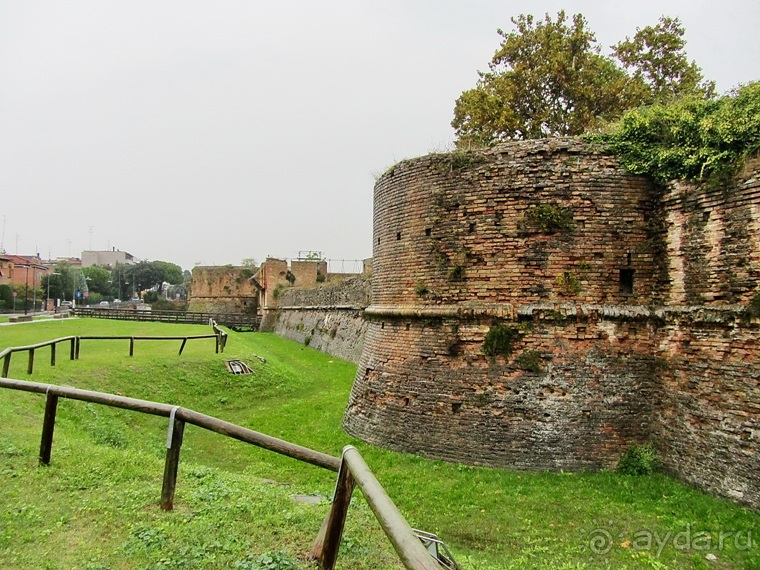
{"x":112,"y":257}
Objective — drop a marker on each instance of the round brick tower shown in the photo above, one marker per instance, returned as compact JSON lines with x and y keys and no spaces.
{"x":507,"y":324}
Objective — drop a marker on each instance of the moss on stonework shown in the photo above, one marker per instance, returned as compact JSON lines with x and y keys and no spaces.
{"x":753,"y":308}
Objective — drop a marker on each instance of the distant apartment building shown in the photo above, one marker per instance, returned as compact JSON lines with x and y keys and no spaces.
{"x":107,"y":257}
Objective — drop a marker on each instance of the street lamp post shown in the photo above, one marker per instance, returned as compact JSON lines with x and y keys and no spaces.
{"x":26,"y":291}
{"x":34,"y":289}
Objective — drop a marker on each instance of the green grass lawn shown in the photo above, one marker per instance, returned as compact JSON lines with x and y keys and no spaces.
{"x":97,"y":505}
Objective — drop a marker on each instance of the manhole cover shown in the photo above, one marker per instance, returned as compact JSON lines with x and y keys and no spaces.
{"x":238,"y":367}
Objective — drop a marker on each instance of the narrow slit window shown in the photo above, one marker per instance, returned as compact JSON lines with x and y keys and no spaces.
{"x":626,"y":281}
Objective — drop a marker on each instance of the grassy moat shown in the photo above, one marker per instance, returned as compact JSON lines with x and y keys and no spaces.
{"x":97,"y":505}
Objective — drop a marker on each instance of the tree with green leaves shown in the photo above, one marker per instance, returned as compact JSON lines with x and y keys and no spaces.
{"x":549,"y":78}
{"x":62,"y":283}
{"x":656,"y":61}
{"x":172,"y":272}
{"x":98,"y":279}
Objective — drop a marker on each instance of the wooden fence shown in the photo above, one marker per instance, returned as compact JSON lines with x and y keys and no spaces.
{"x":232,"y":320}
{"x":351,"y":468}
{"x":76,"y":342}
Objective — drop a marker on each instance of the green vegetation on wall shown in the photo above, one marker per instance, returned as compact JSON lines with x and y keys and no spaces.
{"x":690,"y":138}
{"x":499,"y":340}
{"x":549,"y":218}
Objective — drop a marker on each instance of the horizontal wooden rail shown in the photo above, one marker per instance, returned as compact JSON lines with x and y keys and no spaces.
{"x":352,"y":469}
{"x":187,"y":317}
{"x":6,"y":354}
{"x":219,"y":335}
{"x":201,"y":420}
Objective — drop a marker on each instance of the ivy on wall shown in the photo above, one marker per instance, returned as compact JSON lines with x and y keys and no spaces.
{"x":690,"y":138}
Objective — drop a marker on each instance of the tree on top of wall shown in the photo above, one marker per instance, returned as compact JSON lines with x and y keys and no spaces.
{"x":550,"y":78}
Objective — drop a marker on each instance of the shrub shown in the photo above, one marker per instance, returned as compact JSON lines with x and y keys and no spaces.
{"x":689,"y":138}
{"x":530,"y":360}
{"x":162,"y":304}
{"x":278,"y":291}
{"x":456,"y":273}
{"x":568,"y":283}
{"x":549,"y":218}
{"x":638,"y":460}
{"x":499,"y":340}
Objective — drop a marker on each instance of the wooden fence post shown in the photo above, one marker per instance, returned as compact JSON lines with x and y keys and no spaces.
{"x":48,"y":427}
{"x":182,"y":346}
{"x":73,"y":349}
{"x":325,"y":550}
{"x":6,"y":364}
{"x":171,"y":466}
{"x":78,"y":346}
{"x":52,"y":354}
{"x":131,"y":346}
{"x":30,"y":366}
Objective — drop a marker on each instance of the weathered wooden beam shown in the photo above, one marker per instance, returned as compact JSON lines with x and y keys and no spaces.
{"x":261,"y":440}
{"x":171,"y":466}
{"x":6,"y":364}
{"x":325,"y":550}
{"x":402,"y":537}
{"x":48,"y":427}
{"x":30,"y":366}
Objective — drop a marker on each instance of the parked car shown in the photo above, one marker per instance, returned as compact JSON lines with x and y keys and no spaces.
{"x":103,"y":303}
{"x":67,"y":304}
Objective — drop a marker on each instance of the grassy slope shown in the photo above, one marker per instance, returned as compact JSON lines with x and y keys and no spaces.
{"x":96,"y":506}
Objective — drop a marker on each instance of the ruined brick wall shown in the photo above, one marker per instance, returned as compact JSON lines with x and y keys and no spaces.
{"x":707,"y":423}
{"x":554,"y":244}
{"x":713,"y":248}
{"x":223,"y":289}
{"x":329,"y":317}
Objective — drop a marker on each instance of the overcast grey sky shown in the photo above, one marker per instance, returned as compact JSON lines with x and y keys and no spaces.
{"x":208,"y":132}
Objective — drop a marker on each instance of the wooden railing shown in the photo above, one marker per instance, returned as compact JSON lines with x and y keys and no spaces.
{"x":76,"y":341}
{"x":351,"y":468}
{"x":232,"y":320}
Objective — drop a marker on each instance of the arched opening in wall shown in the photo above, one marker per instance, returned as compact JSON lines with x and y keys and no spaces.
{"x":626,"y":281}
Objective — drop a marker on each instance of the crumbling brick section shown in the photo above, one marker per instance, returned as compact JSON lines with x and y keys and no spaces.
{"x":592,"y":284}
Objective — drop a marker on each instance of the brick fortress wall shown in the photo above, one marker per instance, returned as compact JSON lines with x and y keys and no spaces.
{"x":223,"y":289}
{"x":554,"y":245}
{"x":329,"y":317}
